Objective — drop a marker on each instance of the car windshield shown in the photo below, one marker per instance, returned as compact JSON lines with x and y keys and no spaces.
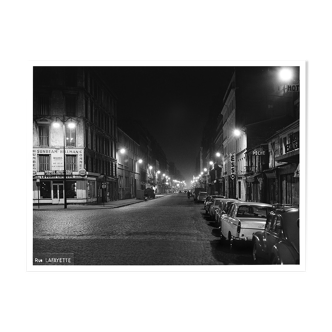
{"x":252,"y":211}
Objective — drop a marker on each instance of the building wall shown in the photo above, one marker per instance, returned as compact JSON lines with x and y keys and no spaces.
{"x":64,"y":95}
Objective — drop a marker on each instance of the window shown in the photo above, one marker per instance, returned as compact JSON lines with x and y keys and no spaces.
{"x":70,"y":136}
{"x":71,"y":189}
{"x":70,"y":105}
{"x":71,"y":163}
{"x":45,"y":189}
{"x":43,"y":106}
{"x":43,"y":162}
{"x":43,"y":135}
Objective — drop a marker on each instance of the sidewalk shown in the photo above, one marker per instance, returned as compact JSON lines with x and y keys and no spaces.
{"x":107,"y":205}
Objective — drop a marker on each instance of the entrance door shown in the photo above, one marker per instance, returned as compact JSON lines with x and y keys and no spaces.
{"x":57,"y":193}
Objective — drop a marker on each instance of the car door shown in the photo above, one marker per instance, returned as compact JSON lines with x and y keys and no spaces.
{"x":273,"y":233}
{"x":226,"y":222}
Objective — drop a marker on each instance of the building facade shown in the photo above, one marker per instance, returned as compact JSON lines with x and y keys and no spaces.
{"x":74,"y":137}
{"x":128,"y":166}
{"x":283,"y":175}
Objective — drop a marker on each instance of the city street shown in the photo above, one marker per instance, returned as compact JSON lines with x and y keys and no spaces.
{"x":170,"y":230}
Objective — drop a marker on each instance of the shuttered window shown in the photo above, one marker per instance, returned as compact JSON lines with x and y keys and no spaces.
{"x":43,"y":135}
{"x":71,"y":163}
{"x":43,"y":162}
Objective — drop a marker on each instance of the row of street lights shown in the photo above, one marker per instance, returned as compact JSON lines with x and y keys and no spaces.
{"x":150,"y":167}
{"x":236,"y":133}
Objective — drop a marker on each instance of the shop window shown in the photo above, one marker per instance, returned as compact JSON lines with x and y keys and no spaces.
{"x":45,"y":189}
{"x":70,"y":136}
{"x":71,"y":163}
{"x":43,"y":135}
{"x":43,"y":162}
{"x":71,"y":189}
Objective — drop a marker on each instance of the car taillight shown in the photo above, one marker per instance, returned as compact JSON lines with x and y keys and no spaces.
{"x":238,"y":227}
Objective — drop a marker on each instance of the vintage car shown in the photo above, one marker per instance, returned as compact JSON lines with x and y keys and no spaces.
{"x":208,"y":201}
{"x":201,"y":197}
{"x":213,"y":207}
{"x":223,"y":209}
{"x":278,"y":243}
{"x":243,"y":219}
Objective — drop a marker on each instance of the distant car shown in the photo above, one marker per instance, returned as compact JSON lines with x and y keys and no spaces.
{"x":149,"y":193}
{"x":201,"y":196}
{"x":223,"y":209}
{"x":243,"y":219}
{"x":278,"y":243}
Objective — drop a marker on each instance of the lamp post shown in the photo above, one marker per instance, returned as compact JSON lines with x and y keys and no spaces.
{"x":71,"y":125}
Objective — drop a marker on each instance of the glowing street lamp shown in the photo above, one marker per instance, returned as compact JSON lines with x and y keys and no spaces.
{"x":122,"y":151}
{"x":140,"y":161}
{"x":286,"y":74}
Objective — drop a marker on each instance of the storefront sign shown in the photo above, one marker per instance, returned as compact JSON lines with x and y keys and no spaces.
{"x":82,"y":172}
{"x":258,"y":153}
{"x":56,"y":174}
{"x":56,"y":158}
{"x":57,"y":162}
{"x":232,"y":166}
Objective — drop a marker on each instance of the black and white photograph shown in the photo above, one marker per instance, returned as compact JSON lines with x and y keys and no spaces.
{"x":166,"y":165}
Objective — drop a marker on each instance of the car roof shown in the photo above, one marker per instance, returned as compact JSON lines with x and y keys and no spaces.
{"x":253,"y":203}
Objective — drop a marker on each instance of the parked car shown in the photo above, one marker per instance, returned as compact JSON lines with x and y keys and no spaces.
{"x":243,"y":219}
{"x":223,"y":209}
{"x":278,"y":243}
{"x":208,"y":201}
{"x":196,"y":192}
{"x":201,"y":196}
{"x":213,"y":206}
{"x":149,"y":193}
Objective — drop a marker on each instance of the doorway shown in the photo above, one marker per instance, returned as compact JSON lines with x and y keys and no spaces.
{"x":57,"y":197}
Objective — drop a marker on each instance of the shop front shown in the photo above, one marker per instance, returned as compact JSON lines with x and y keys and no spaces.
{"x":49,"y":187}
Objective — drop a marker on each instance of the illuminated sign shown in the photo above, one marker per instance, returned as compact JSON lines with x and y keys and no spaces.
{"x":258,"y":153}
{"x":232,"y":166}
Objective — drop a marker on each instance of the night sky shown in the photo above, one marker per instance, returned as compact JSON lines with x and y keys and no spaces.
{"x":173,"y":103}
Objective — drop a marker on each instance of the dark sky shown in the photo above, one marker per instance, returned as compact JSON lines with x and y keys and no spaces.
{"x":173,"y":103}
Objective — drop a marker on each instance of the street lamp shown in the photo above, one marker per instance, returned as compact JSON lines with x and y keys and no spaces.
{"x":286,"y":74}
{"x":71,"y":125}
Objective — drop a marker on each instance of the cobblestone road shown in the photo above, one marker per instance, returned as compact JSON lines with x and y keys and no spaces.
{"x":171,"y":230}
